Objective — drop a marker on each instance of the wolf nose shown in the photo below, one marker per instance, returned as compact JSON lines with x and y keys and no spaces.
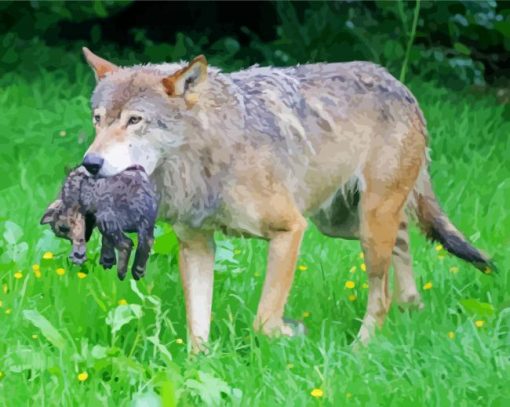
{"x":93,"y":163}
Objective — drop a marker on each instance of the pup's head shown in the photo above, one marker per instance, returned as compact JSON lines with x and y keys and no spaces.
{"x":69,"y":223}
{"x":140,"y":113}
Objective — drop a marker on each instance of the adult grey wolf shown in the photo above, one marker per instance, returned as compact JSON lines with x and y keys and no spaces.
{"x":256,"y":152}
{"x":125,"y":202}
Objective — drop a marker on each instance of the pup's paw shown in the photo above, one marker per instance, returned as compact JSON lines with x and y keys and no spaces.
{"x":138,"y":272}
{"x":107,"y":262}
{"x":121,"y":274}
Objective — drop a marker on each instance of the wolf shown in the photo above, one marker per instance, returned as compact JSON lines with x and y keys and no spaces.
{"x":262,"y":151}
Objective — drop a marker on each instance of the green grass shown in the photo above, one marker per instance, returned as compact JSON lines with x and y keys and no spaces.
{"x":44,"y":126}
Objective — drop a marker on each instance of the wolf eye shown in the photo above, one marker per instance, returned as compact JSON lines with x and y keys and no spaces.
{"x":96,"y":119}
{"x":134,"y":120}
{"x":64,"y":229}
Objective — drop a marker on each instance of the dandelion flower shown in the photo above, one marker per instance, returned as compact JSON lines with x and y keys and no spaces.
{"x":83,"y":376}
{"x":427,"y":286}
{"x":306,"y":314}
{"x":451,"y":335}
{"x":363,"y":267}
{"x":36,"y":267}
{"x":82,"y":275}
{"x":303,"y":267}
{"x":8,"y":311}
{"x":47,"y":256}
{"x":317,"y":393}
{"x":353,"y":269}
{"x":179,"y":341}
{"x":454,"y":269}
{"x":122,"y":301}
{"x":479,"y":323}
{"x":352,"y":297}
{"x":18,"y":275}
{"x":350,"y":284}
{"x":439,"y":247}
{"x":60,"y":271}
{"x":37,"y":274}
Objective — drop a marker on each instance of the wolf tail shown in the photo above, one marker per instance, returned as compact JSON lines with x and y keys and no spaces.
{"x":437,"y":227}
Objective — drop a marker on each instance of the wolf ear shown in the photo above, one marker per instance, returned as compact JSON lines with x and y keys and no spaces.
{"x":100,"y":66}
{"x":50,"y":211}
{"x":186,"y":78}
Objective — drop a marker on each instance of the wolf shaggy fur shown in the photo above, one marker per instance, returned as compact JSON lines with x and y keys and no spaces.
{"x":257,"y":152}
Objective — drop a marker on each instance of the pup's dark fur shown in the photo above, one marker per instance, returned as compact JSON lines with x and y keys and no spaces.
{"x":123,"y":203}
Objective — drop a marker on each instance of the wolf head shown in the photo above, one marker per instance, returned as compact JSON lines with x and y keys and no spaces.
{"x":140,"y":113}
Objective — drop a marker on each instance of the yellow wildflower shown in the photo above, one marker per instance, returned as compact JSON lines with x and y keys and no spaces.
{"x":179,"y":341}
{"x":353,"y":269}
{"x":306,"y":314}
{"x":83,"y":376}
{"x":36,"y":267}
{"x":18,"y":275}
{"x":350,"y":284}
{"x":361,"y":256}
{"x":303,"y":267}
{"x":451,"y":335}
{"x":363,"y":267}
{"x":454,"y":269}
{"x":60,"y":271}
{"x":8,"y":311}
{"x":439,"y":247}
{"x":82,"y":275}
{"x":47,"y":256}
{"x":317,"y":393}
{"x":37,"y":274}
{"x":122,"y":301}
{"x":479,"y":323}
{"x":427,"y":286}
{"x":352,"y":298}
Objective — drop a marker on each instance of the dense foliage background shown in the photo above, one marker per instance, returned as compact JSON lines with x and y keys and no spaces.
{"x":457,"y":42}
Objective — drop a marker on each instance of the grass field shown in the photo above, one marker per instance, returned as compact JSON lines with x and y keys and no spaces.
{"x":71,"y":336}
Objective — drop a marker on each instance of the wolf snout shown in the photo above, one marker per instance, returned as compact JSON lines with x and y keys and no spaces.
{"x":93,"y":163}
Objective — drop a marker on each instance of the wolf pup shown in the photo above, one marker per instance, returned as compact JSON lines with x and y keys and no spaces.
{"x":123,"y":203}
{"x":258,"y":152}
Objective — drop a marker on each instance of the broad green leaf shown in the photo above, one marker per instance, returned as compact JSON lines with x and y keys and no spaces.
{"x":122,"y":314}
{"x":47,"y":329}
{"x":12,"y":232}
{"x":147,"y":399}
{"x":462,"y":48}
{"x":474,"y":307}
{"x":210,"y":388}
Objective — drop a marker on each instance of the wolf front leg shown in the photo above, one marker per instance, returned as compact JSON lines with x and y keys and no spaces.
{"x":283,"y":252}
{"x":196,"y":266}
